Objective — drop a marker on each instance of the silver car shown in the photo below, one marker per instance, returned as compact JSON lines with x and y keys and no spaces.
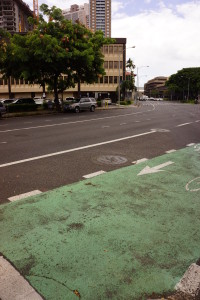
{"x":78,"y":105}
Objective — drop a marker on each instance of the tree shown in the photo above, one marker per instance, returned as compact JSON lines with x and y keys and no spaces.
{"x":56,"y":48}
{"x":185,"y":84}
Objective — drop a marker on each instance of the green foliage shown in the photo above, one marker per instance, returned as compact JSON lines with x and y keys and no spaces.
{"x":185,"y":84}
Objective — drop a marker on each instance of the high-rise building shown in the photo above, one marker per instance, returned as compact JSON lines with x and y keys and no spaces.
{"x":14,"y":16}
{"x":78,"y":13}
{"x":100,"y":16}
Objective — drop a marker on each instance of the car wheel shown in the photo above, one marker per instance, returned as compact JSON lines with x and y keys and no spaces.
{"x":92,"y":108}
{"x":77,"y":109}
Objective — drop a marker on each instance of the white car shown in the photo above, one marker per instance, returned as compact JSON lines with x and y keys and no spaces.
{"x":107,"y":101}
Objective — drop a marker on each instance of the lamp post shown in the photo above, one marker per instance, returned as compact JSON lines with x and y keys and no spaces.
{"x":122,"y":73}
{"x":137,"y":94}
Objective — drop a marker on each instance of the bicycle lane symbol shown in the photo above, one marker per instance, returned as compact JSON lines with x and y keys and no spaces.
{"x":193,"y":185}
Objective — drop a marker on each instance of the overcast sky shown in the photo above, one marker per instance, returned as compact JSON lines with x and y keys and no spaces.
{"x":166,"y":34}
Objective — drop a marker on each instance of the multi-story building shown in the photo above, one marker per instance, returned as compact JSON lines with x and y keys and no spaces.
{"x":155,"y":86}
{"x":78,"y":13}
{"x":100,"y":16}
{"x":106,"y":86}
{"x":14,"y":16}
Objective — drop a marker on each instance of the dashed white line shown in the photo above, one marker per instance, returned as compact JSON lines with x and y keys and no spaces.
{"x":197,"y":121}
{"x":184,"y":124}
{"x":122,"y":124}
{"x":3,"y":142}
{"x":170,"y":151}
{"x":105,"y":126}
{"x":76,"y":149}
{"x":25,"y":195}
{"x":13,"y":285}
{"x":139,"y":161}
{"x":191,"y":144}
{"x":94,"y":174}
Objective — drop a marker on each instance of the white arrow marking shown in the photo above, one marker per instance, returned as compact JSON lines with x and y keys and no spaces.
{"x":148,"y":170}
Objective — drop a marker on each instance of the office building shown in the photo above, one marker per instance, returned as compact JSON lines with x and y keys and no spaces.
{"x":100,"y":16}
{"x":115,"y":68}
{"x":14,"y":16}
{"x":155,"y":87}
{"x":78,"y":13}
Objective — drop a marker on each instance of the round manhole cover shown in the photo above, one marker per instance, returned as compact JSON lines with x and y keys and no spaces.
{"x":112,"y":159}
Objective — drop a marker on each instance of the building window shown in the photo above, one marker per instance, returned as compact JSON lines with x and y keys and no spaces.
{"x":116,"y":64}
{"x":111,"y":49}
{"x":115,"y":49}
{"x":106,"y":49}
{"x":105,"y":79}
{"x":115,"y":79}
{"x":110,"y":79}
{"x":105,"y":64}
{"x":110,"y":64}
{"x":101,"y":79}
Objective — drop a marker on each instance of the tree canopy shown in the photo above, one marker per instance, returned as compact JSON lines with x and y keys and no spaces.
{"x":185,"y":84}
{"x":54,"y":50}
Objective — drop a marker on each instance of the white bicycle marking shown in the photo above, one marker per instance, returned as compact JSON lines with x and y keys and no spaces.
{"x":196,"y":181}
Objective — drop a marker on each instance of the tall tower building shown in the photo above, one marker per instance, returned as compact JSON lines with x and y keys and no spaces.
{"x":100,"y":16}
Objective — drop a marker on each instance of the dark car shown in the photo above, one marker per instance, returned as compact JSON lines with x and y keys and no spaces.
{"x":7,"y":101}
{"x":78,"y":105}
{"x":24,"y":101}
{"x":2,"y":109}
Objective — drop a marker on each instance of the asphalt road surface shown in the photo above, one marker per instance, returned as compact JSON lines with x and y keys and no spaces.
{"x":46,"y":152}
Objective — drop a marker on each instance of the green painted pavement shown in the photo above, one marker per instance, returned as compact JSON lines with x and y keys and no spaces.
{"x":116,"y":236}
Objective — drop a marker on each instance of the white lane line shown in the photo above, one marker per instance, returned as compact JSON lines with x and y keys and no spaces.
{"x":25,"y":195}
{"x":184,"y":124}
{"x":75,"y":149}
{"x":197,"y":121}
{"x":3,"y":142}
{"x":105,"y":126}
{"x":122,"y":124}
{"x":137,"y":121}
{"x":13,"y":285}
{"x":139,"y":161}
{"x":94,"y":174}
{"x":170,"y":151}
{"x":190,"y":282}
{"x":74,"y":122}
{"x":189,"y":145}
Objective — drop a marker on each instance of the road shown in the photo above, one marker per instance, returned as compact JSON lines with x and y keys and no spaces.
{"x":46,"y":152}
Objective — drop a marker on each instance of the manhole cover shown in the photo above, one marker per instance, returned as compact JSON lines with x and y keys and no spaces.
{"x":112,"y":159}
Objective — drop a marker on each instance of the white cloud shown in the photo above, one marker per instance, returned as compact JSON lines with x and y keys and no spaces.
{"x":167,"y":39}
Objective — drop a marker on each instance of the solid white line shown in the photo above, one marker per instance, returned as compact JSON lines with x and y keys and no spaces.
{"x":140,"y":161}
{"x":74,"y":122}
{"x":180,"y":125}
{"x":94,"y":174}
{"x":13,"y":285}
{"x":122,"y":124}
{"x":190,"y":282}
{"x":197,"y":121}
{"x":189,"y":145}
{"x":25,"y":195}
{"x":3,"y":143}
{"x":75,"y":149}
{"x":170,"y":151}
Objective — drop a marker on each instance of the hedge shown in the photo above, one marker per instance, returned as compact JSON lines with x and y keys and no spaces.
{"x":21,"y":107}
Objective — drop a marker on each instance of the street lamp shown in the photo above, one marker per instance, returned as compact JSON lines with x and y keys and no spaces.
{"x":137,"y":94}
{"x":122,"y":73}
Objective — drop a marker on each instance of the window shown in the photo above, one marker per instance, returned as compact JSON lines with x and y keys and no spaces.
{"x":115,"y":49}
{"x":111,"y":49}
{"x":115,"y":79}
{"x":105,"y":64}
{"x":116,"y":64}
{"x":101,"y":79}
{"x":110,"y":79}
{"x":110,"y":64}
{"x":105,"y":79}
{"x":106,"y":49}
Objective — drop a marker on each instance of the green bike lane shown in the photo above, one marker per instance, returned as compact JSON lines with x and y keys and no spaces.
{"x":119,"y":235}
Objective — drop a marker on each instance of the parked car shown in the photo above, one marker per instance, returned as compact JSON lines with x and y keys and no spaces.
{"x":39,"y":100}
{"x":7,"y":101}
{"x":24,"y":101}
{"x":78,"y":105}
{"x":2,"y":109}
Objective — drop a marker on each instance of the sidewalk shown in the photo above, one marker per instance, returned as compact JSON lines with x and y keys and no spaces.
{"x":117,"y":236}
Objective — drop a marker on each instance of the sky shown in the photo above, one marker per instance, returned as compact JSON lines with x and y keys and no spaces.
{"x":166,"y":34}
